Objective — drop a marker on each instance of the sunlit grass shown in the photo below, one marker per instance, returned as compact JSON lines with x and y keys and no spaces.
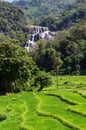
{"x":61,"y":107}
{"x":67,"y":82}
{"x":57,"y":107}
{"x":36,"y":122}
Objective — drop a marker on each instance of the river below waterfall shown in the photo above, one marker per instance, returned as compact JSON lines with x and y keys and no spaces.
{"x":37,"y":33}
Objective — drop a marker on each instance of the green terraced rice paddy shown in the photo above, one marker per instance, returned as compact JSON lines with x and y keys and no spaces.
{"x":51,"y":109}
{"x":68,"y":82}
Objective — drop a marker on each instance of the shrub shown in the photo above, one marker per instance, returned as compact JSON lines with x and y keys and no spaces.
{"x":42,"y":80}
{"x":3,"y":117}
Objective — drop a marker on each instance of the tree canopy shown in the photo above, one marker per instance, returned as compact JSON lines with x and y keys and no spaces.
{"x":16,"y":67}
{"x":13,"y":22}
{"x":67,"y":50}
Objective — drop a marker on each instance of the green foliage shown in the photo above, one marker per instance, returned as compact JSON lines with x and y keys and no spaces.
{"x":72,"y":54}
{"x":54,"y":14}
{"x":46,"y":57}
{"x":51,"y":21}
{"x":16,"y":68}
{"x":66,"y":53}
{"x":78,"y":32}
{"x":42,"y":80}
{"x":38,"y":9}
{"x":12,"y":22}
{"x":71,"y":15}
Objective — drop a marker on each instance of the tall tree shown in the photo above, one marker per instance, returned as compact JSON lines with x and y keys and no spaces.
{"x":16,"y":67}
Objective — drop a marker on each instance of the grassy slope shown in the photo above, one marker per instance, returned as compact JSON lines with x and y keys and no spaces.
{"x":47,"y":110}
{"x":68,"y":82}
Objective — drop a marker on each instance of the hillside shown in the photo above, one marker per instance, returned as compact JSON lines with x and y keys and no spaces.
{"x":72,"y":15}
{"x":55,"y":14}
{"x":12,"y":22}
{"x":36,"y":10}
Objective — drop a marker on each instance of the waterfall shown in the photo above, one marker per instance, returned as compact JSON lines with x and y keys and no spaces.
{"x":33,"y":37}
{"x":39,"y":32}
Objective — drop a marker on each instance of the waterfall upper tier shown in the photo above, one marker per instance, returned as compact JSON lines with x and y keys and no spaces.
{"x":36,"y":33}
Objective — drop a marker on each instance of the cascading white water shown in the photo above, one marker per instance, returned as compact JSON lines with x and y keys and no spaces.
{"x":39,"y":32}
{"x":33,"y":38}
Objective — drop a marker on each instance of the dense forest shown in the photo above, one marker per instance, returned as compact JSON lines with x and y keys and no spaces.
{"x":73,"y":14}
{"x":12,"y":22}
{"x":67,"y":52}
{"x":52,"y":13}
{"x":64,"y":54}
{"x":37,"y":10}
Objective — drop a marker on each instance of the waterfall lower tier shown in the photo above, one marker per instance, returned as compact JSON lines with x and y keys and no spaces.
{"x":36,"y":33}
{"x":30,"y":45}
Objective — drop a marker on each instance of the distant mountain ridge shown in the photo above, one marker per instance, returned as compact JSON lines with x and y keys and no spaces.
{"x":72,"y":15}
{"x":36,"y":10}
{"x":55,"y":14}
